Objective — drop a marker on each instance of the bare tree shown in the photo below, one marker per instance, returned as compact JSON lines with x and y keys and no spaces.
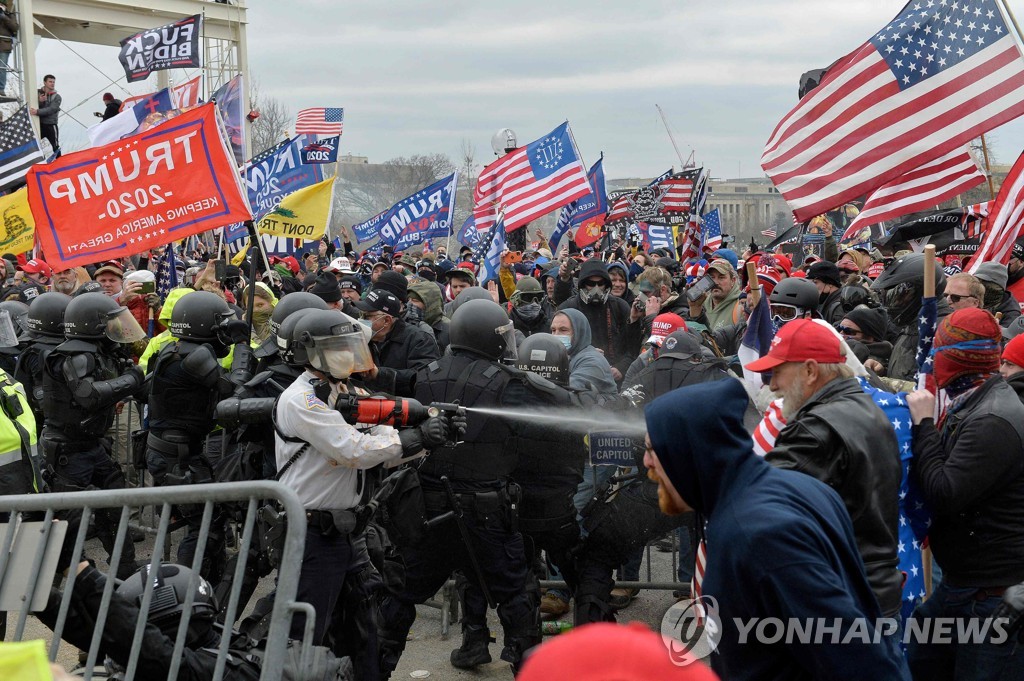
{"x":274,"y":123}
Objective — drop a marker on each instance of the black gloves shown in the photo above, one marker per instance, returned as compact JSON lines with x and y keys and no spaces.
{"x":431,"y":433}
{"x":233,"y":331}
{"x":457,"y":424}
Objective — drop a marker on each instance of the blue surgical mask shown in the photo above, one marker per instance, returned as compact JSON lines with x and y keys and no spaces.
{"x":566,"y":341}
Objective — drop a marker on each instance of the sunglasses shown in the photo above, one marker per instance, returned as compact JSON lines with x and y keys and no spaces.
{"x":786,"y":313}
{"x":847,"y":331}
{"x":591,"y":283}
{"x":954,"y":298}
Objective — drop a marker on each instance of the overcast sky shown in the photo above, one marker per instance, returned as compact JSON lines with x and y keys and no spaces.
{"x":419,"y":77}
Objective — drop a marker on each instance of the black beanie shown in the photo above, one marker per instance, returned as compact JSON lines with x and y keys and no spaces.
{"x":872,"y":321}
{"x":326,"y":287}
{"x":394,"y":282}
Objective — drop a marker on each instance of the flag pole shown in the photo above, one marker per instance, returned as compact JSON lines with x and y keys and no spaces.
{"x":988,"y":170}
{"x":1013,"y":19}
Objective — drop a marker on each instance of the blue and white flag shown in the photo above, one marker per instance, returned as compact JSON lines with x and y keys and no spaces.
{"x":277,"y":172}
{"x":757,"y":339}
{"x":488,"y":252}
{"x":469,"y":235}
{"x":322,"y":151}
{"x":427,"y":214}
{"x":587,"y":212}
{"x":129,"y":120}
{"x":166,"y":273}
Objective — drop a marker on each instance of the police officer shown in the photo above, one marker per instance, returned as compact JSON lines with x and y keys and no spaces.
{"x":83,"y":380}
{"x":478,"y":472}
{"x":324,"y":459}
{"x":9,"y":353}
{"x":187,"y":382}
{"x":44,"y":324}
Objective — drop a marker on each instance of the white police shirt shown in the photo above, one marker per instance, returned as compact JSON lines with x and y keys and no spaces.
{"x":326,"y":476}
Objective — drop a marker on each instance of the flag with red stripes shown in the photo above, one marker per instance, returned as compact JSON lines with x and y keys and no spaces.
{"x":1005,"y":219}
{"x":937,"y":76}
{"x":920,"y":189}
{"x":975,"y":219}
{"x":531,"y":181}
{"x":662,"y":198}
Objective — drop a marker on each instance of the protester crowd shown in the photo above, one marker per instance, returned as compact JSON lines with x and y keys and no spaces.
{"x":789,"y":449}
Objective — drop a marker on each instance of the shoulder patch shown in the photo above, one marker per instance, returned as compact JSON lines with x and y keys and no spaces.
{"x":314,"y":403}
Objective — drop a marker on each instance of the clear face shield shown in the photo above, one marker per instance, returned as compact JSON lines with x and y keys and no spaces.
{"x":508,"y":333}
{"x":342,"y":355}
{"x":8,"y":330}
{"x":122,"y":327}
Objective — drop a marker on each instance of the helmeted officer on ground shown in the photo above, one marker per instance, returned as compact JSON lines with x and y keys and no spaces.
{"x":324,"y":458}
{"x":187,"y":382}
{"x":478,"y":471}
{"x":83,"y":380}
{"x":44,"y":328}
{"x":198,"y":658}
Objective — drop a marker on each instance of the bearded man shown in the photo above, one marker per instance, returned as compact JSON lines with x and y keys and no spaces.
{"x":780,"y":546}
{"x":836,"y":433}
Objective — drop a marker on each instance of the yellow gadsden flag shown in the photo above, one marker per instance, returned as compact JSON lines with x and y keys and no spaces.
{"x":19,"y":227}
{"x":303,"y":214}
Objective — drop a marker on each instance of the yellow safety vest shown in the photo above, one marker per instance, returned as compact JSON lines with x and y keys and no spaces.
{"x":17,"y":427}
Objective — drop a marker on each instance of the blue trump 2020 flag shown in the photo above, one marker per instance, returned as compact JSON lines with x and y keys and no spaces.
{"x":589,"y":207}
{"x":277,"y":172}
{"x":489,"y":250}
{"x":427,"y":214}
{"x":469,"y":235}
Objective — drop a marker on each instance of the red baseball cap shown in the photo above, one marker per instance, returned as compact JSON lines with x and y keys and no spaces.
{"x":663,"y":325}
{"x":36,"y":266}
{"x":798,"y":341}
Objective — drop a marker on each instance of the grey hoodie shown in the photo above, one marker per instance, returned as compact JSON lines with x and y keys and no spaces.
{"x":586,"y":364}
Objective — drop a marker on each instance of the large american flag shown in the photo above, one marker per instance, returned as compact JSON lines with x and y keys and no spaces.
{"x":531,"y":181}
{"x":1005,"y":219}
{"x":920,"y":189}
{"x":941,"y":73}
{"x":320,"y":121}
{"x":19,"y":149}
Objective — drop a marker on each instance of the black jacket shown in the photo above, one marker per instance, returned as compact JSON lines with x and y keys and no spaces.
{"x":1009,"y":307}
{"x":842,"y":438}
{"x":1017,"y":383}
{"x":971,"y":474}
{"x":612,"y":331}
{"x":903,"y":361}
{"x":406,"y":349}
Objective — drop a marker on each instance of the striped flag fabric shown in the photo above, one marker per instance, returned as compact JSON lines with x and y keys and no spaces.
{"x":757,"y":339}
{"x":320,"y":121}
{"x":920,"y":189}
{"x":661,"y":198}
{"x":531,"y":181}
{"x":768,"y":233}
{"x":711,"y":233}
{"x":975,"y":219}
{"x":937,"y":76}
{"x":1005,"y":220}
{"x":19,"y":149}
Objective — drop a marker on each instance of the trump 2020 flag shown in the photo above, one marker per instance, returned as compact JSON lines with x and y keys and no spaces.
{"x":165,"y":184}
{"x":531,"y":181}
{"x":272,"y":174}
{"x":172,"y":46}
{"x":489,"y":251}
{"x":129,"y":120}
{"x":468,"y":234}
{"x":589,"y":212}
{"x":934,"y":78}
{"x":427,"y":214}
{"x":322,"y":151}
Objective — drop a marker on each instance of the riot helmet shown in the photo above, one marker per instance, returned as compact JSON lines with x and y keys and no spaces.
{"x":300,"y":300}
{"x":791,"y":299}
{"x":483,"y":327}
{"x":170,"y":590}
{"x":283,"y":339}
{"x":198,"y":316}
{"x":17,"y":311}
{"x":331,"y":342}
{"x":903,"y":284}
{"x":45,"y":315}
{"x":94,"y":316}
{"x":544,"y":355}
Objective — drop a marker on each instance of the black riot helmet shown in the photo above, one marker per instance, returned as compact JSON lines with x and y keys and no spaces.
{"x":903,"y":284}
{"x":45,"y":315}
{"x":331,"y":342}
{"x":170,"y":589}
{"x":197,"y":316}
{"x":797,"y":292}
{"x":94,"y":316}
{"x":483,"y":327}
{"x":17,"y":310}
{"x":300,"y":300}
{"x":545,"y":355}
{"x":285,"y":346}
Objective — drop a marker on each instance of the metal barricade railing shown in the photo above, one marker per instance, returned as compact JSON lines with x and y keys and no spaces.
{"x":254,"y":493}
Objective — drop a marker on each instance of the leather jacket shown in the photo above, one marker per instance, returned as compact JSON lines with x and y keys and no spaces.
{"x":842,"y":438}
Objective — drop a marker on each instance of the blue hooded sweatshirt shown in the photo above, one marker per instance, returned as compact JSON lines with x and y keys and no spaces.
{"x":780,"y":545}
{"x":586,"y":364}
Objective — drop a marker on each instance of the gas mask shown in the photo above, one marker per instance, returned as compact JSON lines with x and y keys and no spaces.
{"x":595,"y":294}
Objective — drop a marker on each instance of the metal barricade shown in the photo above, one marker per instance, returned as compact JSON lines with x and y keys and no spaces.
{"x":254,"y":493}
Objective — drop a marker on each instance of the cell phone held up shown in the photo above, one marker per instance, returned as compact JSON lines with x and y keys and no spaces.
{"x":220,"y":271}
{"x":147,"y":287}
{"x":699,"y":288}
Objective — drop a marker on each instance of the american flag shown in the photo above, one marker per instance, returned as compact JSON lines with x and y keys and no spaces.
{"x":320,"y":121}
{"x":975,"y":219}
{"x":927,"y":322}
{"x":927,"y":186}
{"x":768,"y":233}
{"x":19,"y":149}
{"x":1005,"y":219}
{"x":689,"y":240}
{"x":940,"y":74}
{"x":711,"y":234}
{"x":166,"y":273}
{"x":531,"y":181}
{"x":674,"y":195}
